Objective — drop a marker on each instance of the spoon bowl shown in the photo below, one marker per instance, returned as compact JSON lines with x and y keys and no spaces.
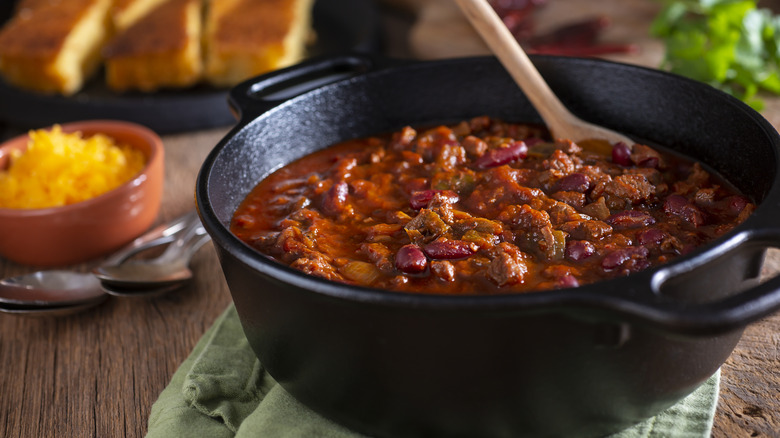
{"x":60,"y":292}
{"x":142,"y":275}
{"x":52,"y":311}
{"x":138,"y":292}
{"x":49,"y":288}
{"x":170,"y":269}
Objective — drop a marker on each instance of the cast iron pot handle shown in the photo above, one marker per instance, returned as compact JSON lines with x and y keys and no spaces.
{"x":725,"y":315}
{"x":255,"y":96}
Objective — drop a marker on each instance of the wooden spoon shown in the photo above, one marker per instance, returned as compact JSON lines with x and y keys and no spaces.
{"x":562,"y":123}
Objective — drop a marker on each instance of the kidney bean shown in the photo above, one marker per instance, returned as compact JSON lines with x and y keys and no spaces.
{"x":335,"y":198}
{"x":420,"y":199}
{"x":621,"y":154}
{"x":679,"y":205}
{"x":410,"y":259}
{"x":674,"y":204}
{"x":575,"y":182}
{"x":567,"y":280}
{"x":630,"y":219}
{"x":517,"y":150}
{"x":735,"y":204}
{"x":650,"y":236}
{"x":577,"y":250}
{"x":622,"y":255}
{"x":448,"y":249}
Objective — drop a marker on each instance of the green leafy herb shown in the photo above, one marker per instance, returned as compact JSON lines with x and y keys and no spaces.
{"x":730,"y":44}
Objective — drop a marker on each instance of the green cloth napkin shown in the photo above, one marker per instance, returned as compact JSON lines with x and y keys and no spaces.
{"x":222,"y":390}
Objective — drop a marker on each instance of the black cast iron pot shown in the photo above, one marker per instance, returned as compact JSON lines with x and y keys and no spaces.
{"x":573,"y":362}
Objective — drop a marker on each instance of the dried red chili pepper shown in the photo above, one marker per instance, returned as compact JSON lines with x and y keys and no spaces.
{"x":578,"y":38}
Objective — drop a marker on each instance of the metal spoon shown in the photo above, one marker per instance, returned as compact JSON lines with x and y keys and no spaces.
{"x":157,"y":236}
{"x":52,"y":310}
{"x":49,"y":289}
{"x":151,"y":276}
{"x":56,"y":292}
{"x":119,"y":291}
{"x":561,"y":122}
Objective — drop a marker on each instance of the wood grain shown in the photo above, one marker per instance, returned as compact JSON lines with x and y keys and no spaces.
{"x":749,"y":404}
{"x":98,"y":373}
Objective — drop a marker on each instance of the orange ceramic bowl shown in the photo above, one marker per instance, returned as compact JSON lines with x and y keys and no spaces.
{"x":88,"y":229}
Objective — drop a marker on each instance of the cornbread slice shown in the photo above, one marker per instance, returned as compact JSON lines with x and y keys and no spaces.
{"x":54,"y":46}
{"x":160,"y":50}
{"x":127,"y":12}
{"x":244,"y":38}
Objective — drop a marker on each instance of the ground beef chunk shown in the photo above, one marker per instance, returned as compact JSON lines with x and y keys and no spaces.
{"x":646,"y":157}
{"x":560,"y":163}
{"x":425,"y":227}
{"x":292,"y":244}
{"x":575,"y":199}
{"x":475,"y":146}
{"x":317,"y":264}
{"x":591,"y":230}
{"x":444,"y":270}
{"x":378,"y":254}
{"x":624,"y":191}
{"x":562,"y":212}
{"x":697,"y":178}
{"x":441,"y":204}
{"x":597,"y":209}
{"x":507,"y":266}
{"x":535,"y":232}
{"x":524,"y":217}
{"x":402,"y":139}
{"x":567,"y":147}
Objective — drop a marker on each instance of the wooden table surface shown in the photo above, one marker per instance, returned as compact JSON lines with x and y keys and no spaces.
{"x":96,"y":374}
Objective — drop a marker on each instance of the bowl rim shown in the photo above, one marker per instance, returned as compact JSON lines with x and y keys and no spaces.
{"x":92,"y":127}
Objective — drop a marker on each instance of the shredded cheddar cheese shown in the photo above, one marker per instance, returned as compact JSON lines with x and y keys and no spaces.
{"x":60,"y":169}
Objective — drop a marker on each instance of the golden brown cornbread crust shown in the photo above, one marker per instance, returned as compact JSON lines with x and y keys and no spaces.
{"x":158,"y":43}
{"x":125,"y":13}
{"x":54,"y":46}
{"x":161,"y":31}
{"x":244,"y":38}
{"x":162,"y":49}
{"x":252,"y":23}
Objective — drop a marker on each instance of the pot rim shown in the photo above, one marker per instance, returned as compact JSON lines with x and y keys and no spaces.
{"x":635,"y":298}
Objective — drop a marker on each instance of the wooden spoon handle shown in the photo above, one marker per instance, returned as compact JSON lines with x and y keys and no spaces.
{"x":513,"y":57}
{"x":559,"y":120}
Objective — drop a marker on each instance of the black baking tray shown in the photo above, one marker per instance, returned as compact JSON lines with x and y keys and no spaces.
{"x":339,"y":25}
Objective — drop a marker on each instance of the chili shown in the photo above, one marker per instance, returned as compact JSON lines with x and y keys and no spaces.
{"x":483,"y":207}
